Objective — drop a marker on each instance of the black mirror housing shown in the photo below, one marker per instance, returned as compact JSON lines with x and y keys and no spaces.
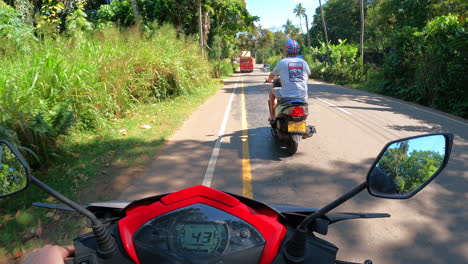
{"x":405,"y":166}
{"x":15,"y":173}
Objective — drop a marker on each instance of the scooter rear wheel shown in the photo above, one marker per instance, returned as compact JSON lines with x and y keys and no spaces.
{"x":293,"y":143}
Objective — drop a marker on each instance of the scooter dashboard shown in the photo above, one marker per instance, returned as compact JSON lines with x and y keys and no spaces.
{"x":197,"y":233}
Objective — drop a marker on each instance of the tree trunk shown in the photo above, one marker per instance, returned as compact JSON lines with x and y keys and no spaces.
{"x":136,"y":14}
{"x":219,"y":49}
{"x":307,"y":27}
{"x":300,"y":24}
{"x":362,"y":32}
{"x":206,"y":28}
{"x":200,"y":24}
{"x":324,"y":26}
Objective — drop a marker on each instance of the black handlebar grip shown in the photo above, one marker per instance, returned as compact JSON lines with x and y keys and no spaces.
{"x":70,"y":261}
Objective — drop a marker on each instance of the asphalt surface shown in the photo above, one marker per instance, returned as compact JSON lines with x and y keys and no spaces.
{"x":352,"y":126}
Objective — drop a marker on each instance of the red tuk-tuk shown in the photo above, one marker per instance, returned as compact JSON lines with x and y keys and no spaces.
{"x":246,"y":64}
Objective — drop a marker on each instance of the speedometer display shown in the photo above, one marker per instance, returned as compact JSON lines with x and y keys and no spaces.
{"x":199,"y":237}
{"x":197,"y":233}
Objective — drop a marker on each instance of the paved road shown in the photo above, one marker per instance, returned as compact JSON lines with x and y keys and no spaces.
{"x":352,"y":127}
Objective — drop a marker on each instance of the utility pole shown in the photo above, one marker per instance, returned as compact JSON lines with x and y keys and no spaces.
{"x":362,"y":32}
{"x":200,"y":24}
{"x":324,"y":27}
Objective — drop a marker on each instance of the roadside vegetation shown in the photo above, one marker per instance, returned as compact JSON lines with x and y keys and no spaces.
{"x":90,"y":86}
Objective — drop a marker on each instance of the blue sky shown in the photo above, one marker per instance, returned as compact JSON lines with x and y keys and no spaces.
{"x":433,"y":143}
{"x":274,"y":13}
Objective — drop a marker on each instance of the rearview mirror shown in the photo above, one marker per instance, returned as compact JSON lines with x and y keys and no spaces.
{"x":14,"y":171}
{"x":406,"y":166}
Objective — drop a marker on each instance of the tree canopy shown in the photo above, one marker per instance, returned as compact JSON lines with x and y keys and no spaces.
{"x":410,"y":169}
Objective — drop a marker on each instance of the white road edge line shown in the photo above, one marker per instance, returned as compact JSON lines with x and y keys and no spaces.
{"x":337,"y":107}
{"x":214,"y":155}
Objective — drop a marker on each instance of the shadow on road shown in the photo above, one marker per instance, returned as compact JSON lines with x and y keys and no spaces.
{"x":438,"y":235}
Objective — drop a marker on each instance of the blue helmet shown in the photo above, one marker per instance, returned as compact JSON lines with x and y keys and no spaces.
{"x":292,"y":46}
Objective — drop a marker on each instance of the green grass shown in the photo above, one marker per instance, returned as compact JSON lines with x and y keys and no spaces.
{"x":85,"y":156}
{"x":69,"y":101}
{"x":91,"y":81}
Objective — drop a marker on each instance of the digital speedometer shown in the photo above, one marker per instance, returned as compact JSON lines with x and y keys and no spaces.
{"x":198,"y":234}
{"x":200,"y":237}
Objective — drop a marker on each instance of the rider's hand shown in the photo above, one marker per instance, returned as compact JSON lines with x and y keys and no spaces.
{"x":49,"y":255}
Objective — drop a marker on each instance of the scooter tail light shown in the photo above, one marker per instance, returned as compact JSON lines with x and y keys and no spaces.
{"x":298,"y":111}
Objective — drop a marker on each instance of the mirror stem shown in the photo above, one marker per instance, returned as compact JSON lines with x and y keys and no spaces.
{"x":294,"y":251}
{"x":105,"y":240}
{"x":311,"y":218}
{"x":65,"y":200}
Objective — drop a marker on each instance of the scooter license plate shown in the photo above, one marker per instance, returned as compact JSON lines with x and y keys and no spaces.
{"x":297,"y":127}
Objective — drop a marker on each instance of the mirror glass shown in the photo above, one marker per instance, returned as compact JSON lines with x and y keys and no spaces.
{"x":13,"y":176}
{"x":407,"y":165}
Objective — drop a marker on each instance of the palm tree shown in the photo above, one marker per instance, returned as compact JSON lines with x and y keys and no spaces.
{"x":307,"y":28}
{"x":299,"y":11}
{"x":288,"y":27}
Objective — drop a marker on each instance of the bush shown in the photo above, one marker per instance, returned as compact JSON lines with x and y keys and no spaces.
{"x":340,"y":66}
{"x":399,"y":63}
{"x":62,"y":82}
{"x":429,"y":66}
{"x":119,"y":12}
{"x":442,"y":70}
{"x":226,"y":68}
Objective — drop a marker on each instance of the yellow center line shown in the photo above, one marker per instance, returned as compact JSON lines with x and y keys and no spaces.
{"x":246,"y":174}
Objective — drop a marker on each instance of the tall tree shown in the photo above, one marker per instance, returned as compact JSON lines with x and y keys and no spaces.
{"x":307,"y":27}
{"x":291,"y":30}
{"x":265,"y":42}
{"x":288,"y":27}
{"x":200,"y":26}
{"x":299,"y":10}
{"x":362,"y":32}
{"x":342,"y":20}
{"x":324,"y":26}
{"x":231,"y":17}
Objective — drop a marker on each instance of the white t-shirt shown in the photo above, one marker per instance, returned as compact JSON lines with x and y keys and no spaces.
{"x":294,"y":73}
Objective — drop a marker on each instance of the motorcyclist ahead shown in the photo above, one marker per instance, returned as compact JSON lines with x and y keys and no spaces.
{"x":294,"y":73}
